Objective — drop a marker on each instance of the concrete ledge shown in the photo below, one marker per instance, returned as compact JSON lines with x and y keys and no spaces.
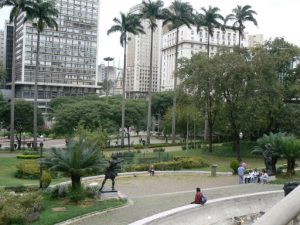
{"x":212,"y":214}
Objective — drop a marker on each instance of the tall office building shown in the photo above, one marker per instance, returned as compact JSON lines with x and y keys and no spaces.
{"x":2,"y":48}
{"x":191,"y":42}
{"x":138,"y":60}
{"x":255,"y":40}
{"x":8,"y":40}
{"x":68,"y":57}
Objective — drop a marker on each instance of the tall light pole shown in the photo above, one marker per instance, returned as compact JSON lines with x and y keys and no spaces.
{"x":107,"y":59}
{"x":240,"y":146}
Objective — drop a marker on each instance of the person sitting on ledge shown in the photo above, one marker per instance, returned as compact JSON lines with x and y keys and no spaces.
{"x":198,"y":196}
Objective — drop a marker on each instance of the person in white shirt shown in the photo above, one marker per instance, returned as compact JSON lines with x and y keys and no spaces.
{"x":264,"y":177}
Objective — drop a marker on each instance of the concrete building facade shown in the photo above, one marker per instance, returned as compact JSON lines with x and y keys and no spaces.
{"x":190,"y":43}
{"x":255,"y":40}
{"x":68,"y":57}
{"x":2,"y":47}
{"x":8,"y":48}
{"x":138,"y":60}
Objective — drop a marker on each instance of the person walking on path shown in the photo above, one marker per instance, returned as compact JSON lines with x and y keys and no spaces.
{"x":240,"y":172}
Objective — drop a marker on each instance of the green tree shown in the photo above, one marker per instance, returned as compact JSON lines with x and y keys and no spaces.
{"x":18,"y":7}
{"x":41,"y":15}
{"x":240,"y":15}
{"x":211,"y":19}
{"x":152,"y":12}
{"x":3,"y":76}
{"x":23,"y":118}
{"x":200,"y":77}
{"x":89,"y":114}
{"x":178,"y":14}
{"x":129,"y":23}
{"x":161,"y":102}
{"x":80,"y":159}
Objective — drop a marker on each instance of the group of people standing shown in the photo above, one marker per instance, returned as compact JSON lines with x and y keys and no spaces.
{"x":254,"y":176}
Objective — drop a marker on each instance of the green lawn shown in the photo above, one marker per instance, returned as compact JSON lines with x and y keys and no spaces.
{"x":48,"y":217}
{"x":7,"y":170}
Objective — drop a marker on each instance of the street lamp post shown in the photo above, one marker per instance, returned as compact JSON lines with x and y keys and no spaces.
{"x":41,"y":159}
{"x":240,"y":146}
{"x":107,"y":59}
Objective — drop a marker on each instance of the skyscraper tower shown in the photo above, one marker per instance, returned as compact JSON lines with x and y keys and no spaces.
{"x":138,"y":59}
{"x":68,"y":57}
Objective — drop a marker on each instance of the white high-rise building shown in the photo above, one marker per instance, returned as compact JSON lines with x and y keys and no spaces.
{"x":68,"y":57}
{"x":138,"y":60}
{"x":191,"y":42}
{"x":2,"y":48}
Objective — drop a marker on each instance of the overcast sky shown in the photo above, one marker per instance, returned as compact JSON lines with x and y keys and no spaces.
{"x":276,"y":18}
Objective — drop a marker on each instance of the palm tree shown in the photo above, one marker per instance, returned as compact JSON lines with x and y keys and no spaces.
{"x":178,"y":14}
{"x":151,"y":11}
{"x":129,"y":23}
{"x":78,"y":160}
{"x":242,"y":14}
{"x":18,"y":6}
{"x":209,"y":19}
{"x":41,"y":16}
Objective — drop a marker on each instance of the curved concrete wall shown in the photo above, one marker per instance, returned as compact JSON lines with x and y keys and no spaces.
{"x":216,"y":211}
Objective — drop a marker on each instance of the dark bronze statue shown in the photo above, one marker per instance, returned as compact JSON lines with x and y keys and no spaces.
{"x":111,"y":171}
{"x":270,"y":160}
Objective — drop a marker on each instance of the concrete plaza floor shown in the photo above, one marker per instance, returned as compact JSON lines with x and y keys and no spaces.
{"x":152,"y":195}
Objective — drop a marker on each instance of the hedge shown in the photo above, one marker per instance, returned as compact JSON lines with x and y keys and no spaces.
{"x":28,"y":156}
{"x":183,"y":163}
{"x":28,"y":169}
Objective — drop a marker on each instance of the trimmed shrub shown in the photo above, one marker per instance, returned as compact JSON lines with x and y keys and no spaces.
{"x":28,"y":170}
{"x":159,"y":150}
{"x":183,"y":163}
{"x":59,"y":191}
{"x":46,"y":179}
{"x":139,"y":146}
{"x":234,"y":165}
{"x":28,"y":156}
{"x":92,"y":191}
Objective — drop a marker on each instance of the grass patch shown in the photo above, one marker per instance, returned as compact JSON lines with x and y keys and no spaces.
{"x":8,"y":169}
{"x":283,"y":178}
{"x":48,"y":217}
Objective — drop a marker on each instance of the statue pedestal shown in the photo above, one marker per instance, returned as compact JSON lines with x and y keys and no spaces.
{"x":271,"y":178}
{"x":110,"y":194}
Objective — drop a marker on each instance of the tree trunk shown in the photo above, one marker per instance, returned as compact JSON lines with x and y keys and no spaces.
{"x":13,"y":91}
{"x":175,"y":85}
{"x":19,"y":140}
{"x":123,"y":95}
{"x":290,"y":166}
{"x":128,"y":138}
{"x":206,"y":110}
{"x":75,"y":181}
{"x":35,"y":107}
{"x":238,"y":147}
{"x":149,"y":91}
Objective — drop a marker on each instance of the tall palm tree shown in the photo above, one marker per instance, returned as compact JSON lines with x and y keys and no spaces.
{"x":242,"y":14}
{"x":210,"y":18}
{"x":151,"y":11}
{"x":129,"y":23}
{"x":18,"y":6}
{"x":42,"y":16}
{"x":178,"y":14}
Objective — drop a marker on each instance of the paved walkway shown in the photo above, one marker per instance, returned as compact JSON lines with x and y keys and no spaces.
{"x":152,"y":195}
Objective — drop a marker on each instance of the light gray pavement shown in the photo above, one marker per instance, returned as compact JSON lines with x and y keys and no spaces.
{"x":151,"y":196}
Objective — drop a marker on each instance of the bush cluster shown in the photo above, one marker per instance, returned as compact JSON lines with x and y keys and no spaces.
{"x":234,"y":165}
{"x":139,"y":146}
{"x":28,"y":169}
{"x":46,"y":179}
{"x":182,"y":163}
{"x":19,"y":209}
